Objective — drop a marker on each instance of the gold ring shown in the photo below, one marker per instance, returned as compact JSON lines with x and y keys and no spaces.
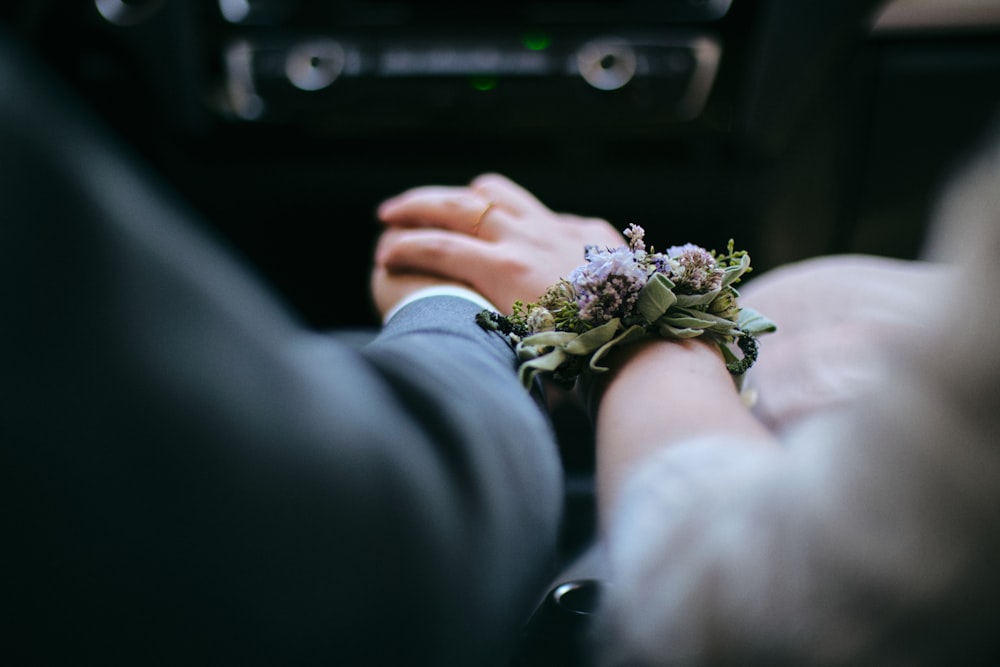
{"x":479,"y":220}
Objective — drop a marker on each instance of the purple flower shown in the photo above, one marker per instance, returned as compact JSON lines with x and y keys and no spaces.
{"x":636,"y":237}
{"x":693,"y":269}
{"x":661,"y":263}
{"x":608,"y":285}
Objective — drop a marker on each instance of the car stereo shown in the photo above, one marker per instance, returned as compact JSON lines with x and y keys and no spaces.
{"x":512,"y":64}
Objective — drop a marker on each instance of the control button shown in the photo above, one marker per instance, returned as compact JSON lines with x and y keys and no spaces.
{"x":606,"y":64}
{"x":315,"y":64}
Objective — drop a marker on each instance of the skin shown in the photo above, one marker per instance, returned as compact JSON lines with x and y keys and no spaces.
{"x":496,"y":237}
{"x":836,"y":316}
{"x":641,"y":376}
{"x":440,"y":235}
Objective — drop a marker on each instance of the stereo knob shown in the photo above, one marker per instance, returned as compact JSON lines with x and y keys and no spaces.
{"x":315,"y":64}
{"x":606,"y":64}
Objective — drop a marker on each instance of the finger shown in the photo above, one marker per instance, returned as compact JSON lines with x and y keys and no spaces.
{"x":594,"y":231}
{"x":455,"y":208}
{"x":420,"y":192}
{"x":507,"y":194}
{"x":439,"y":252}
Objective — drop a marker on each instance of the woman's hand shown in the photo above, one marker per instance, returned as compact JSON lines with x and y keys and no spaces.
{"x":836,"y":318}
{"x":492,"y":235}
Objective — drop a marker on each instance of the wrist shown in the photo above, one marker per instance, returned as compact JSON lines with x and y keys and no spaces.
{"x":692,"y":354}
{"x":661,"y":393}
{"x":631,"y":367}
{"x":626,"y":294}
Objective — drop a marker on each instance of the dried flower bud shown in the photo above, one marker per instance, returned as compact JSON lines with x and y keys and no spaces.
{"x":725,"y":305}
{"x":557,"y":295}
{"x":541,"y":319}
{"x":636,"y":238}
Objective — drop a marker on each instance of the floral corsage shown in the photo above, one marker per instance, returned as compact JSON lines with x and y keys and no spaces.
{"x":625,"y":294}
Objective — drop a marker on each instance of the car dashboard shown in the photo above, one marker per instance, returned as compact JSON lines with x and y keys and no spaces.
{"x":796,"y":129}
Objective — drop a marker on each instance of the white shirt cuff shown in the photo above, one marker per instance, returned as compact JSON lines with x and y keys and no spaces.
{"x":439,"y":290}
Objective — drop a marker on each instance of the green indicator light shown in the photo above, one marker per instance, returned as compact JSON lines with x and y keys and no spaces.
{"x":535,"y":41}
{"x":484,"y":82}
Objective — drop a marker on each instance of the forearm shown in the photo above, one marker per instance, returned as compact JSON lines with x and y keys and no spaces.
{"x":660,"y":393}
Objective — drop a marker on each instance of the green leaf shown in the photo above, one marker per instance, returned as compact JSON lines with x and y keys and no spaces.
{"x":687,"y":300}
{"x":733,"y":273}
{"x":753,"y":322}
{"x":708,"y":317}
{"x":686,"y":322}
{"x":546,"y":363}
{"x":632,"y":334}
{"x":668,"y":331}
{"x":683,"y":318}
{"x":549,"y":339}
{"x":589,"y":341}
{"x":656,"y":297}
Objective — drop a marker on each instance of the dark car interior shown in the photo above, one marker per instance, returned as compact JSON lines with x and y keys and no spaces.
{"x":795,"y":128}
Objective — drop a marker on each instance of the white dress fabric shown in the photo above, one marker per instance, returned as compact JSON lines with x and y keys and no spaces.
{"x":872,"y":536}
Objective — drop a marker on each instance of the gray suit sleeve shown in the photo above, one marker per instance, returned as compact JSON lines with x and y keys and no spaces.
{"x":191,"y":476}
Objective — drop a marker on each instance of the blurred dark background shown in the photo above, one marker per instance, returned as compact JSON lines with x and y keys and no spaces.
{"x":797,"y":128}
